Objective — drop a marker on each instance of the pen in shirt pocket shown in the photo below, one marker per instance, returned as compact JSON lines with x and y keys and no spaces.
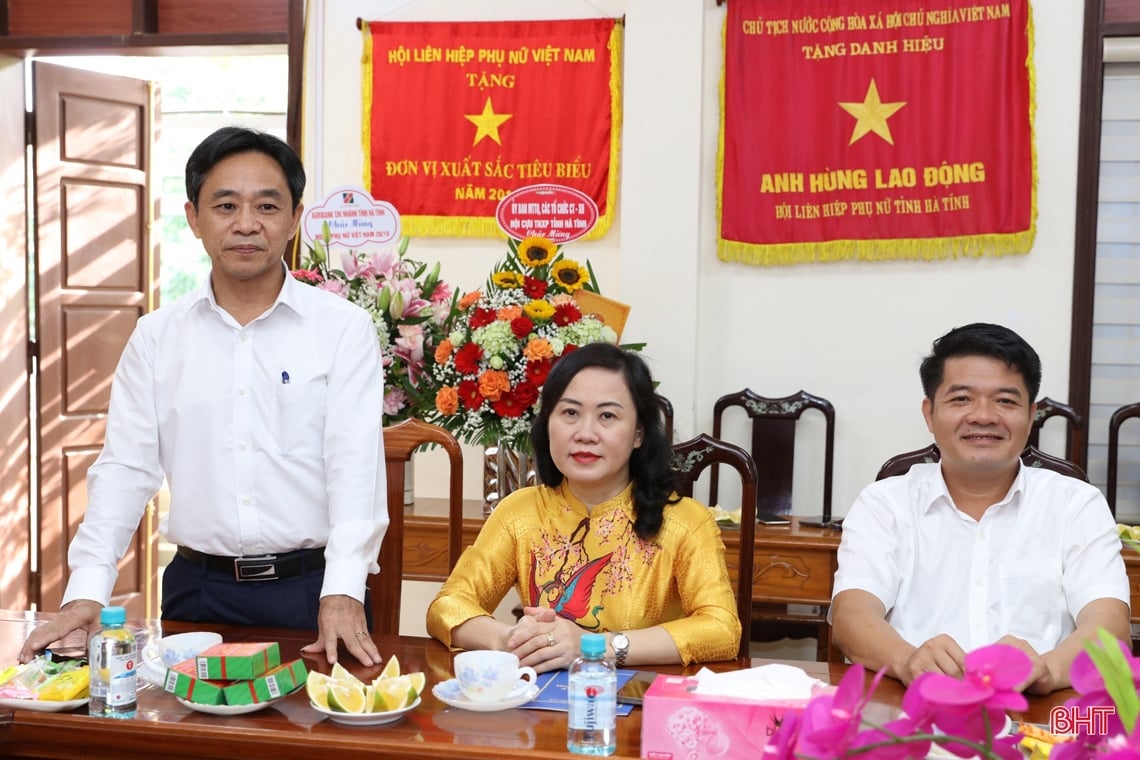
{"x":284,"y":378}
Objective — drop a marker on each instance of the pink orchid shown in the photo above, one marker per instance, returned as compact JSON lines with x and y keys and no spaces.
{"x":830,"y":722}
{"x":974,"y":707}
{"x":916,"y":719}
{"x":1089,"y":681}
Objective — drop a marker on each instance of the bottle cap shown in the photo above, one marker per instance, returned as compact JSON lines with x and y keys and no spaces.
{"x":593,"y":644}
{"x":113,"y":616}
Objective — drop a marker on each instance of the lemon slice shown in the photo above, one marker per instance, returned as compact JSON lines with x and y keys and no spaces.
{"x":416,"y":684}
{"x":391,"y":669}
{"x":317,"y":687}
{"x":392,"y":693}
{"x":346,"y":697}
{"x":340,"y":673}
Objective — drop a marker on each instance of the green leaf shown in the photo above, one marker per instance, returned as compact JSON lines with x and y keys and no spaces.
{"x":1113,"y":667}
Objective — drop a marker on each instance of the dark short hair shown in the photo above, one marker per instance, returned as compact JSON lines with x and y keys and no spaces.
{"x":228,"y":141}
{"x":649,"y":464}
{"x":982,"y":339}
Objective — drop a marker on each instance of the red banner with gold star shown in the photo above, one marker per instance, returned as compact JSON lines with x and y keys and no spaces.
{"x":902,"y":131}
{"x":459,"y":114}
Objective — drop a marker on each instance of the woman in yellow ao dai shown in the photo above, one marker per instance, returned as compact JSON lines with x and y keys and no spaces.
{"x":604,"y":545}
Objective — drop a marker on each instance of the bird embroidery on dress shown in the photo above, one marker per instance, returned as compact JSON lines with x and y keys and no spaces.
{"x":569,"y":597}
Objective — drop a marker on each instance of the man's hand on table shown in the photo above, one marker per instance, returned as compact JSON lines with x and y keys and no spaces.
{"x":79,"y":614}
{"x":940,"y":654}
{"x":342,"y":618}
{"x":1042,"y":679}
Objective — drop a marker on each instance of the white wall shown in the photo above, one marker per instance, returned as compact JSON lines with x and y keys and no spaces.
{"x":851,"y":332}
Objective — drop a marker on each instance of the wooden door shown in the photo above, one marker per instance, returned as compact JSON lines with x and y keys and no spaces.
{"x":15,"y":462}
{"x":96,"y":275}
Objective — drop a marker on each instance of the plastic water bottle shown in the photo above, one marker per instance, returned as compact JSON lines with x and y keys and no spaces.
{"x":113,"y":656}
{"x":592,"y":691}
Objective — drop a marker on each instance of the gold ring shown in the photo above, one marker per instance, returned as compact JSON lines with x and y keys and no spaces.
{"x":362,"y":633}
{"x":549,"y":639}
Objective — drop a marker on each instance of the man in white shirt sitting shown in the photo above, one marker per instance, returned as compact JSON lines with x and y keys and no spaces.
{"x":259,"y":400}
{"x":978,"y":548}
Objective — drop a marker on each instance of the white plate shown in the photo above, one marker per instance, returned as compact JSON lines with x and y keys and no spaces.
{"x":450,"y":693}
{"x":229,"y":709}
{"x":151,"y":668}
{"x":43,"y":705}
{"x":366,"y":719}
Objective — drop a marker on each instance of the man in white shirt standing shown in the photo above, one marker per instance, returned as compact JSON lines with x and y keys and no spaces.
{"x":259,"y":400}
{"x":978,"y":548}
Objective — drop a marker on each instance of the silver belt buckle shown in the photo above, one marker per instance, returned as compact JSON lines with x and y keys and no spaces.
{"x":263,"y":568}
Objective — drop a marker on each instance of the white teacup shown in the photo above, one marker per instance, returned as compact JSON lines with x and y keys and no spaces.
{"x":489,"y":676}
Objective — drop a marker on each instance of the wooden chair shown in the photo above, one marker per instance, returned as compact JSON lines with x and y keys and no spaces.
{"x":400,"y":441}
{"x":666,"y":407}
{"x":773,"y":445}
{"x":1046,"y":408}
{"x":690,"y":459}
{"x":900,"y":464}
{"x":1118,"y":418}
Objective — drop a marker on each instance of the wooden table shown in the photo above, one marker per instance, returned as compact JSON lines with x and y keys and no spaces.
{"x":793,"y":564}
{"x":291,"y":729}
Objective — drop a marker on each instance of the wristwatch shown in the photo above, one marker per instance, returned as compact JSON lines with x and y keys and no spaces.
{"x":620,"y":643}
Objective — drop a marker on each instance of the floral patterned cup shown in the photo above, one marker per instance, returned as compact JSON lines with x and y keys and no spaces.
{"x":489,"y":676}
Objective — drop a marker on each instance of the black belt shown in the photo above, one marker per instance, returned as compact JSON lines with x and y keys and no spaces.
{"x":267,"y":567}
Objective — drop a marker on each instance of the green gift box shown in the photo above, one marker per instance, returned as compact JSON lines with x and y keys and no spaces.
{"x":276,"y":683}
{"x":237,"y":661}
{"x":182,"y":681}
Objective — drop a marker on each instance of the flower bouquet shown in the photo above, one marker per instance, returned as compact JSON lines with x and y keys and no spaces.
{"x":409,"y":306}
{"x":503,"y":340}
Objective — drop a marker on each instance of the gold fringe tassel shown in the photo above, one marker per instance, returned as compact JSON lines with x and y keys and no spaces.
{"x":366,"y":103}
{"x":929,"y":249}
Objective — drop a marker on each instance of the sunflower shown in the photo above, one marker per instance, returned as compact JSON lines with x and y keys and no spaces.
{"x":536,"y":251}
{"x":569,"y":275}
{"x":507,"y":280}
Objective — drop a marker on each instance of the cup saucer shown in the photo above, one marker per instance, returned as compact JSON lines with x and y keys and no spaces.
{"x":450,"y":693}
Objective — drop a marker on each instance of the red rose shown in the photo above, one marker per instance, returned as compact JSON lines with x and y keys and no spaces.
{"x":521,"y":327}
{"x":482,"y":317}
{"x":566,"y":314}
{"x":469,"y":394}
{"x":508,"y":406}
{"x":525,"y":394}
{"x":537,"y":370}
{"x":467,"y":358}
{"x":534,"y":288}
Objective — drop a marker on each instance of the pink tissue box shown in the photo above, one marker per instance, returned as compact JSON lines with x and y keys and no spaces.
{"x":678,"y":723}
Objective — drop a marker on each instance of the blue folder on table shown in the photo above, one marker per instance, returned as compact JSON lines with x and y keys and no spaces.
{"x":552,"y":692}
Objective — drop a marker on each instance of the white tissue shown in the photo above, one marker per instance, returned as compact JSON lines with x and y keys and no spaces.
{"x":773,"y":681}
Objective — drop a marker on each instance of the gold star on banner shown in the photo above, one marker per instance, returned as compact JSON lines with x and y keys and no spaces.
{"x":871,"y":115}
{"x":487,"y":122}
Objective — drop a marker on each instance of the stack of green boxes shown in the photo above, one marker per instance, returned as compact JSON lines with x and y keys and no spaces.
{"x":235,"y":674}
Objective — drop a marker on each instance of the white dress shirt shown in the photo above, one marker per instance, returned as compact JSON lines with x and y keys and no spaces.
{"x":269,"y":436}
{"x":1027,"y":568}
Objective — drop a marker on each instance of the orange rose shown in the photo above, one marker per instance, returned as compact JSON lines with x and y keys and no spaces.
{"x":492,"y":384}
{"x":447,"y":400}
{"x":443,"y":351}
{"x":468,"y":299}
{"x":538,"y":348}
{"x":508,"y":313}
{"x":560,"y":299}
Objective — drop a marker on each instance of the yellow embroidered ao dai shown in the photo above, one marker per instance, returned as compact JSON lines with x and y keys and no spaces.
{"x":593,"y":569}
